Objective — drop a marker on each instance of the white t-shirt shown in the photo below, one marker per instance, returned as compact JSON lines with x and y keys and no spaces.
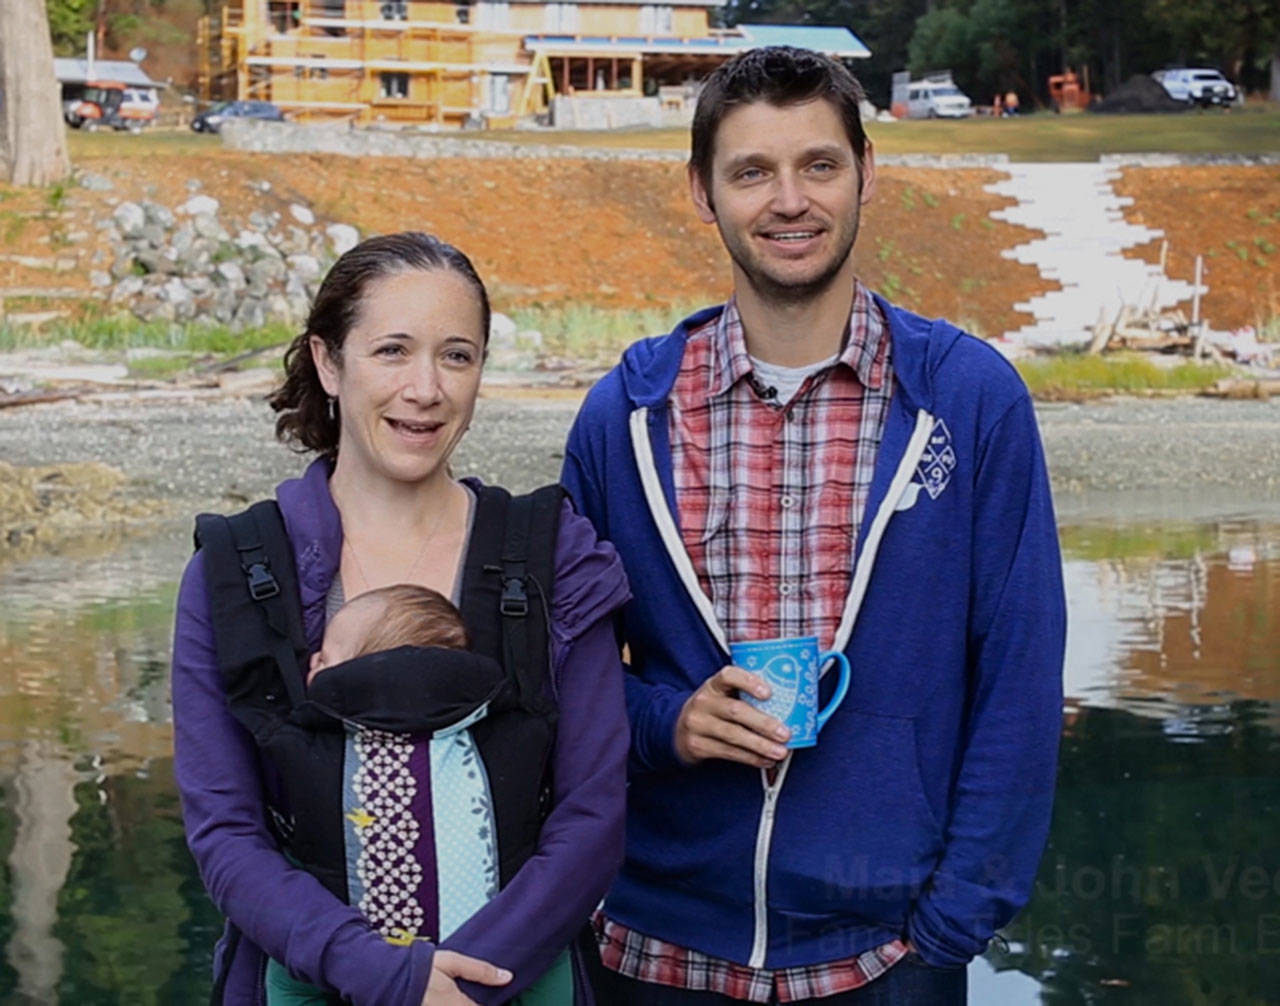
{"x":786,"y":381}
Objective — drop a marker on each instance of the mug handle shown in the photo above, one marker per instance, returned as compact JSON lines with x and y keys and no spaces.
{"x":842,"y":687}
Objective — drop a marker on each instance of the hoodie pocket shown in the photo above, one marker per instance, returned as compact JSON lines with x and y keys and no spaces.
{"x":856,"y":835}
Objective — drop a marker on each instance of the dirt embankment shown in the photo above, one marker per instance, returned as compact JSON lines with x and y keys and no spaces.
{"x":616,"y":234}
{"x":622,"y":234}
{"x":1228,"y":214}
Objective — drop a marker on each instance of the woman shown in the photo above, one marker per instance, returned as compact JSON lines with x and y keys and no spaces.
{"x":382,"y":385}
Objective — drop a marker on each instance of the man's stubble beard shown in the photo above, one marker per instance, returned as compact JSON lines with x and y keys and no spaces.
{"x":783,"y":293}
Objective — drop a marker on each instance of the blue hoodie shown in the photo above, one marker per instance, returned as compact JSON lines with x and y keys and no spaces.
{"x":924,"y":807}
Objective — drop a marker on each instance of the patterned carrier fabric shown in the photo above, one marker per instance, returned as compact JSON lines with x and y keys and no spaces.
{"x":421,"y":840}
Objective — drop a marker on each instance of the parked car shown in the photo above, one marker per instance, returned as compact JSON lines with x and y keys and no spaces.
{"x":1197,"y":86}
{"x":934,"y":99}
{"x":212,"y":118}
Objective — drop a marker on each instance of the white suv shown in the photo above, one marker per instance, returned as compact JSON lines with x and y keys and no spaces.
{"x":1197,"y":86}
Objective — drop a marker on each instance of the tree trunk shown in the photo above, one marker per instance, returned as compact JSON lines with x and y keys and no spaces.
{"x":33,"y":142}
{"x":1275,"y":75}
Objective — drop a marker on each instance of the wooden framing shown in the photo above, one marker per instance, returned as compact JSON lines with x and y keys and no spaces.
{"x":447,"y":61}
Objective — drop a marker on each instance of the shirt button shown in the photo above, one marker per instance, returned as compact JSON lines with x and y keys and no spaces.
{"x":786,"y":589}
{"x":787,"y":502}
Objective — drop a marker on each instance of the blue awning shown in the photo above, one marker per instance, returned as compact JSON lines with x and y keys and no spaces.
{"x":831,"y":40}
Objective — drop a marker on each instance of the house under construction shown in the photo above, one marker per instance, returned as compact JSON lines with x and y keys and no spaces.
{"x":431,"y":62}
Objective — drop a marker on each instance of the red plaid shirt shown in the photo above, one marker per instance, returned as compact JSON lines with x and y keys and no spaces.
{"x":770,"y":499}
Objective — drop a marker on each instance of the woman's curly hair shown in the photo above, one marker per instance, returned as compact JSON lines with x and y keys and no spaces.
{"x":304,"y":421}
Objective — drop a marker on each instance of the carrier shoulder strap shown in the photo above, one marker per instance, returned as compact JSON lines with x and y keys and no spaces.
{"x":507,"y":582}
{"x":256,"y":609}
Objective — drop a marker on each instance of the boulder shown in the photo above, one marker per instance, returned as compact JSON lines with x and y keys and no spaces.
{"x":265,"y":271}
{"x":200,"y":206}
{"x":207,"y":226}
{"x":199,"y":286}
{"x":301,"y":214}
{"x":305,"y":267}
{"x":129,"y":219}
{"x":154,"y":309}
{"x":342,"y":237}
{"x":230,"y":275}
{"x":183,"y":238}
{"x":222,"y":305}
{"x":249,"y":313}
{"x":158,"y":215}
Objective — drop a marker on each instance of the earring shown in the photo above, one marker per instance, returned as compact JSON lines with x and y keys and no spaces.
{"x":332,"y":408}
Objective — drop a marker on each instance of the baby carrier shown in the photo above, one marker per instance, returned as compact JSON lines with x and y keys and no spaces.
{"x":412,"y":783}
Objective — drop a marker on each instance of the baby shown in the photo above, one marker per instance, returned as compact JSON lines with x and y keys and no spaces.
{"x":403,"y":614}
{"x":386,"y":619}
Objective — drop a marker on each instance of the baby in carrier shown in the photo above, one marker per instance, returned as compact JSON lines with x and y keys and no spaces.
{"x":417,"y":863}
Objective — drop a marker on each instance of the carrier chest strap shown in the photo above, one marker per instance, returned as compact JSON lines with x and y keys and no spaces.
{"x":254,"y":592}
{"x":527,"y":565}
{"x":250,"y":529}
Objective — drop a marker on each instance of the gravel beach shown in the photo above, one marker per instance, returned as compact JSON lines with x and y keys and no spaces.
{"x":1120,"y":459}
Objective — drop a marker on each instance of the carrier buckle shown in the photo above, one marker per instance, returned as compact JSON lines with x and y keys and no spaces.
{"x":514,"y":602}
{"x":262,"y":584}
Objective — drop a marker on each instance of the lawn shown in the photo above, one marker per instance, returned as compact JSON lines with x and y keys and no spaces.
{"x":108,"y":143}
{"x":1042,"y":137}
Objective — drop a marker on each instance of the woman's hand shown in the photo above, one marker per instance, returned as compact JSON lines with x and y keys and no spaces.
{"x":448,"y":966}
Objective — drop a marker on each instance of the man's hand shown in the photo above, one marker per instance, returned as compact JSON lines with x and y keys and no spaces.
{"x":448,"y":966}
{"x":714,"y":723}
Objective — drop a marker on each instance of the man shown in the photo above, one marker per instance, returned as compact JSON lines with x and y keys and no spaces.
{"x":805,"y":460}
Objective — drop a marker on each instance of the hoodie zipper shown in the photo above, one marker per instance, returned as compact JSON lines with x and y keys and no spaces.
{"x":760,"y":869}
{"x":679,"y":555}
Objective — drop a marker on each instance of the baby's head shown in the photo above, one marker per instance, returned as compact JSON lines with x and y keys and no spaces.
{"x":403,"y":614}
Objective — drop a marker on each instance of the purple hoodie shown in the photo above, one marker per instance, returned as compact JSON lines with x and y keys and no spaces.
{"x":284,"y":911}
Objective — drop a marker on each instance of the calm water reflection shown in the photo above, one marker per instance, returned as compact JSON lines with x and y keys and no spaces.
{"x":1161,"y":883}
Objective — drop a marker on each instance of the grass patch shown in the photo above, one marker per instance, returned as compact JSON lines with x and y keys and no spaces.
{"x":1073,"y":376}
{"x":1096,"y":542}
{"x":1254,"y":129}
{"x":108,"y":143}
{"x":121,"y":332}
{"x":160,"y":368}
{"x":592,"y":335}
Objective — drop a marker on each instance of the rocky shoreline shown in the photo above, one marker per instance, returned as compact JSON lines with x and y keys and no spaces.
{"x":1121,"y":459}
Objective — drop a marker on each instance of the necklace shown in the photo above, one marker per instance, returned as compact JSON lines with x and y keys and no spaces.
{"x":408,"y":573}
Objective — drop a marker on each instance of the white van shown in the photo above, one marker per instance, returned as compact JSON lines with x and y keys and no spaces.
{"x":932,"y":99}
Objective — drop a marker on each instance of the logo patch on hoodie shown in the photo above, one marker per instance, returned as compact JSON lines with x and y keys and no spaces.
{"x":938,"y":461}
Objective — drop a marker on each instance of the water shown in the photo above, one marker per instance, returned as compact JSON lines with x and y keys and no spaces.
{"x":1161,"y":883}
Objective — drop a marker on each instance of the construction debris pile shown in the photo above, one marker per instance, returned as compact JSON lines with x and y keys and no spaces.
{"x":1140,"y":93}
{"x":189,"y":263}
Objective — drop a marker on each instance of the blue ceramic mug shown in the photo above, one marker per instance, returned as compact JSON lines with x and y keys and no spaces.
{"x":791,"y":667}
